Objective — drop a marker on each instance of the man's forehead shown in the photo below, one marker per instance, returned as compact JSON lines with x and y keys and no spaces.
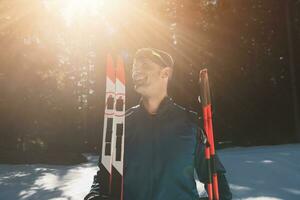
{"x":143,"y":63}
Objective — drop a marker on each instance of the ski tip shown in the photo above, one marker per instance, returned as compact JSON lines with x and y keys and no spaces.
{"x":120,"y":71}
{"x":204,"y":87}
{"x":110,"y":70}
{"x":202,"y":74}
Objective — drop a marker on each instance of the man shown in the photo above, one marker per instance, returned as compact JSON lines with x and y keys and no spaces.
{"x":162,"y":140}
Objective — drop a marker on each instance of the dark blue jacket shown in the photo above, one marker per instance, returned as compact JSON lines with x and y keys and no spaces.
{"x":162,"y":154}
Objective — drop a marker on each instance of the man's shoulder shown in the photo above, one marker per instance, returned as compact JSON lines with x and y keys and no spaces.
{"x":131,"y":111}
{"x":190,"y":114}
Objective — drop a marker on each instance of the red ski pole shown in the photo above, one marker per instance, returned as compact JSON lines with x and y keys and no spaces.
{"x":207,"y":117}
{"x":207,"y":157}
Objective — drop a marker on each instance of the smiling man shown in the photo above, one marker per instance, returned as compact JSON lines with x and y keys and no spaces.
{"x":163,"y":148}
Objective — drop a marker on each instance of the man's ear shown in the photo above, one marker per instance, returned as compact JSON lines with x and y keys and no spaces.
{"x":166,"y":72}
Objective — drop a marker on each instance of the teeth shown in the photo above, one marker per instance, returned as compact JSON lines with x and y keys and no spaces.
{"x":138,"y":79}
{"x":138,"y":76}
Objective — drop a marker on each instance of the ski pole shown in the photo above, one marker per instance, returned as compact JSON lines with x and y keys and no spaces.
{"x":207,"y":117}
{"x":207,"y":157}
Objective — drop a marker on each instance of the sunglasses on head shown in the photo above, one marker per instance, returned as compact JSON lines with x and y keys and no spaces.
{"x":153,"y":56}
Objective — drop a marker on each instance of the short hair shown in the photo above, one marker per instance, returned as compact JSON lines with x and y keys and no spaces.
{"x":157,"y":56}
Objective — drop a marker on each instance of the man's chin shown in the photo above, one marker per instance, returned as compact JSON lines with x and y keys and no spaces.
{"x":140,"y":89}
{"x":137,"y":88}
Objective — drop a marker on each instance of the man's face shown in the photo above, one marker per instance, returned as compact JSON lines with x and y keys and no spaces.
{"x":146,"y":77}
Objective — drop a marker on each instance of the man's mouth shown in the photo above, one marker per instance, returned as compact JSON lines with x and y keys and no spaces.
{"x":140,"y":80}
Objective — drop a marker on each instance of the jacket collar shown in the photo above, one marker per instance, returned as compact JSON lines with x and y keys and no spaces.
{"x":163,"y":106}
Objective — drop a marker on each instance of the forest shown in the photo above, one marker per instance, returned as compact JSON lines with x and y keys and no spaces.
{"x":53,"y":61}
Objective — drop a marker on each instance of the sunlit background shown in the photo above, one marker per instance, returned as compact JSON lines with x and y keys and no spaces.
{"x":52,"y":66}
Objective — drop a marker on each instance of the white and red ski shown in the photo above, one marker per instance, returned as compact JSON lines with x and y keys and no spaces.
{"x":107,"y":143}
{"x":112,"y":155}
{"x":118,"y":133}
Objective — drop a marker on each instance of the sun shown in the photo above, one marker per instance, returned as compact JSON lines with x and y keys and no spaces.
{"x":79,"y":10}
{"x":72,"y":10}
{"x":75,"y":9}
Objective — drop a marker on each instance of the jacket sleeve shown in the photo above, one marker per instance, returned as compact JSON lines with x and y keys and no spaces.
{"x":95,"y":193}
{"x":202,"y":172}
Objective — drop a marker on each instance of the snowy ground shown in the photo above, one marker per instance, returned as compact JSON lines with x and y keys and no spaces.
{"x":266,"y":173}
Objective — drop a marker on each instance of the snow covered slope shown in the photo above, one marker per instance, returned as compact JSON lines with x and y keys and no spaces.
{"x":266,"y":173}
{"x":49,"y":182}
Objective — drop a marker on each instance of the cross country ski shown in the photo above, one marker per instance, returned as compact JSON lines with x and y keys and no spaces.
{"x":112,"y":154}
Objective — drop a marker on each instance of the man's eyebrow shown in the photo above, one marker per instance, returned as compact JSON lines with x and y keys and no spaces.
{"x":140,"y":64}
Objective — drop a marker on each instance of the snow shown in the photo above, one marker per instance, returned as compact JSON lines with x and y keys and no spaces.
{"x":49,"y":182}
{"x":264,"y":173}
